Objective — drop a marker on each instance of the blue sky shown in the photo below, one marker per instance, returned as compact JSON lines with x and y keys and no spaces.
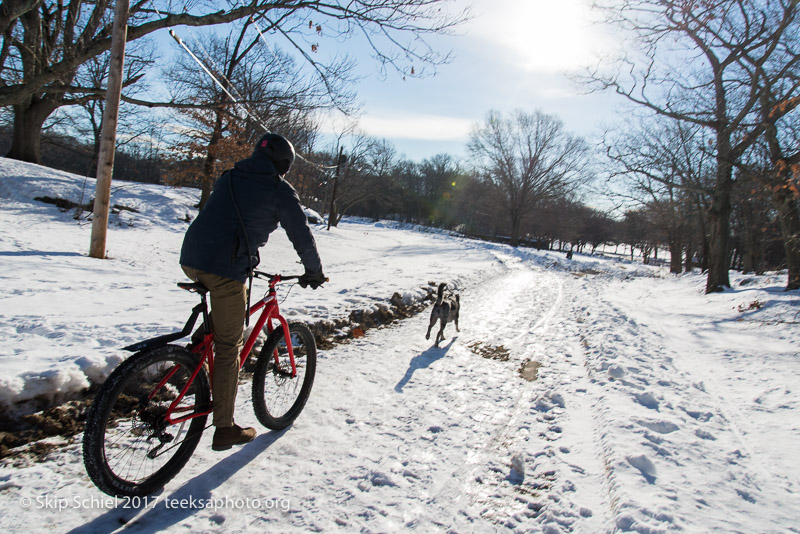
{"x":512,"y":54}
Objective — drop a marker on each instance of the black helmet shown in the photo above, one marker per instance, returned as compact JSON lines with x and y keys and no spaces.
{"x":278,"y":149}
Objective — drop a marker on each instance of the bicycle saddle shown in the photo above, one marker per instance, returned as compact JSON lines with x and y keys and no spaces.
{"x":194,"y":287}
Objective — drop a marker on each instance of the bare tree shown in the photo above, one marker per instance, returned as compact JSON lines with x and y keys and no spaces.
{"x":753,"y":225}
{"x":772,"y":178}
{"x":639,"y":230}
{"x":596,"y":227}
{"x":530,"y":158}
{"x":45,"y":42}
{"x":85,"y":116}
{"x":777,"y":166}
{"x":254,"y":88}
{"x":441,"y":176}
{"x":365,"y":174}
{"x":664,"y":167}
{"x":696,"y":66}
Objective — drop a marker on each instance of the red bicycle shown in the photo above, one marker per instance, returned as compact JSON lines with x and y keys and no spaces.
{"x":148,"y":416}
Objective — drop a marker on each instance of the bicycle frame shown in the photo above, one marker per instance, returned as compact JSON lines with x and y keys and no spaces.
{"x":270,"y":311}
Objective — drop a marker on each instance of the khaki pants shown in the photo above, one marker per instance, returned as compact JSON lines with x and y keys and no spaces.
{"x":228,"y":303}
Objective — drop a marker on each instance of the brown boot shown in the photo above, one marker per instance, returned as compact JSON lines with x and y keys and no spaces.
{"x":227,"y":437}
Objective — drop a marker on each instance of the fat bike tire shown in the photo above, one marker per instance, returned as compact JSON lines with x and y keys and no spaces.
{"x":129,"y":448}
{"x":279,"y":397}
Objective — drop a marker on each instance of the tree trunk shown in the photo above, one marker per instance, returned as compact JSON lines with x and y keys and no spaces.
{"x":28,"y":120}
{"x":719,"y":227}
{"x":784,"y":198}
{"x":717,"y":279}
{"x":333,"y":219}
{"x":748,"y":257}
{"x":208,"y":177}
{"x":675,"y":250}
{"x":689,"y":260}
{"x":789,"y":218}
{"x":516,"y":224}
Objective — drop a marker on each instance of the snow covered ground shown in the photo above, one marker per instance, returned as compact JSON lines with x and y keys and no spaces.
{"x":648,"y":406}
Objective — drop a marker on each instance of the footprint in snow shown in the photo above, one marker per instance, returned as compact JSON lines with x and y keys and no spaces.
{"x":647,"y":400}
{"x":616,"y":371}
{"x":702,"y":434}
{"x":644,"y":465}
{"x":700,"y":416}
{"x":662,"y":427}
{"x":517,"y":474}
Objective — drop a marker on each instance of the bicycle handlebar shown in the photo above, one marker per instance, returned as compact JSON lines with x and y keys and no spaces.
{"x":261,"y":274}
{"x":279,"y":277}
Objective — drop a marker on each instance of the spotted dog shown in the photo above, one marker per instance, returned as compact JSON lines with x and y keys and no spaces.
{"x":446,"y":308}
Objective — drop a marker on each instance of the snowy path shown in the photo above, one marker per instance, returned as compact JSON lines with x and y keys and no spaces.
{"x":428,"y":438}
{"x":614,"y":434}
{"x":425,"y":438}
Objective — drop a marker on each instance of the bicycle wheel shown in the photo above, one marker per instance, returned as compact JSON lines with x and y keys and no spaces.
{"x":129,"y":449}
{"x":278,"y":398}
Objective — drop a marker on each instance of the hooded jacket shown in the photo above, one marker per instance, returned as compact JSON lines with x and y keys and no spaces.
{"x":217,"y":241}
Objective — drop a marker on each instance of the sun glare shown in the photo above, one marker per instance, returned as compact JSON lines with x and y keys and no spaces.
{"x":539,"y":35}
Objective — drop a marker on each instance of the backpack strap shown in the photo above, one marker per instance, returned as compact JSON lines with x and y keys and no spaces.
{"x":249,"y":250}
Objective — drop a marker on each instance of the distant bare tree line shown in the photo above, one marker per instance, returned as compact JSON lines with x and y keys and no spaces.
{"x":706,"y":164}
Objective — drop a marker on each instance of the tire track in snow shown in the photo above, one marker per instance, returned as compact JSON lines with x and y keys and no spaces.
{"x":519,"y":477}
{"x":565,"y":454}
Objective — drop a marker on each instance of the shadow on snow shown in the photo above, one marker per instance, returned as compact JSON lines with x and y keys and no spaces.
{"x":197,"y":490}
{"x":423,"y":361}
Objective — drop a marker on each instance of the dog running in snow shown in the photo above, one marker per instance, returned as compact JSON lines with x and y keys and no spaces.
{"x":445,"y":309}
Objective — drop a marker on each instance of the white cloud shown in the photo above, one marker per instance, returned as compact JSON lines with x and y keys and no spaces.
{"x":415,"y":126}
{"x":392,"y":124}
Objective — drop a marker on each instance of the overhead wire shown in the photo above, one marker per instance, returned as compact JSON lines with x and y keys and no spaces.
{"x":252,"y":115}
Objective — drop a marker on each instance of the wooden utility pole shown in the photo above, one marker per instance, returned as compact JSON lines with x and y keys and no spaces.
{"x":108,"y":136}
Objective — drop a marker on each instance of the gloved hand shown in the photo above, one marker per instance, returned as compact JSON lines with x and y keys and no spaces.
{"x":312,"y":279}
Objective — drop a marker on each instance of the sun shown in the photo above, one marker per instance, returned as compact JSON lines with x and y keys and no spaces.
{"x":540,"y":35}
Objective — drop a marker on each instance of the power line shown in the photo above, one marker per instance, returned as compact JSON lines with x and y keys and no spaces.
{"x":234,"y":100}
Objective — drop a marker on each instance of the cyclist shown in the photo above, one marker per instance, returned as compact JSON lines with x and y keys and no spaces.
{"x":220,"y":250}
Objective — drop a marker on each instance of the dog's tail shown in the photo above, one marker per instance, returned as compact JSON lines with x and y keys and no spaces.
{"x":440,"y":295}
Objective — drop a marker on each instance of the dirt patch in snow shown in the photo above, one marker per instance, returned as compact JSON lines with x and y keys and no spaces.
{"x":529,"y":370}
{"x":491,"y":352}
{"x":586,"y":272}
{"x":64,"y":420}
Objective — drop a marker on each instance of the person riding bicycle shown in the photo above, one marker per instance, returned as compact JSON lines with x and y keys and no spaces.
{"x":220,"y":250}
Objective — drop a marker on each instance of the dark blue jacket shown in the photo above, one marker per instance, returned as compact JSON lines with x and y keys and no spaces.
{"x":215,"y":242}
